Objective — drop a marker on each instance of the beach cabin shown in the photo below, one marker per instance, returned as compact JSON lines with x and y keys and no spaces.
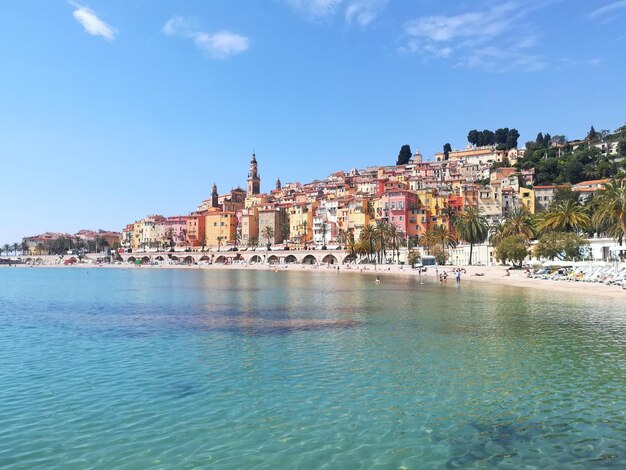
{"x":428,"y":260}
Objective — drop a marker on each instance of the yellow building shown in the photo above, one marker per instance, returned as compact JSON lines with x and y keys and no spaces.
{"x":220,"y":228}
{"x":249,"y":226}
{"x":527,"y":197}
{"x":434,"y":209}
{"x":255,"y":200}
{"x":355,"y":214}
{"x":301,"y":221}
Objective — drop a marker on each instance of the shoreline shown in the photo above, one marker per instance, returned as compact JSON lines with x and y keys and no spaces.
{"x":494,"y":275}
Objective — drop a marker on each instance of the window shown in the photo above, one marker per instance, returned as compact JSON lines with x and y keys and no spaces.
{"x":400,"y":218}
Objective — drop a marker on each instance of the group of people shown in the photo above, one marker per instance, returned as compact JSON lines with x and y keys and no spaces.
{"x":443,"y":277}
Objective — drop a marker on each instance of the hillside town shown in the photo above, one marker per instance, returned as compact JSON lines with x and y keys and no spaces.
{"x":416,"y":198}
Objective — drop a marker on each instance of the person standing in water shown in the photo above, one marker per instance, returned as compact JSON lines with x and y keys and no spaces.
{"x":377,"y":280}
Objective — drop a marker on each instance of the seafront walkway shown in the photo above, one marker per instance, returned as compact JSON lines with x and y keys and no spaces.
{"x":216,"y":257}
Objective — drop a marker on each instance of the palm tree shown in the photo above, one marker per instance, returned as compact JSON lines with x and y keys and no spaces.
{"x":24,"y":247}
{"x":565,"y":216}
{"x":342,"y":236}
{"x":444,"y":237}
{"x":472,"y":227}
{"x":611,"y":209}
{"x":305,"y":226}
{"x":382,"y":230}
{"x":6,"y":248}
{"x":368,"y":234}
{"x":15,"y":248}
{"x":518,"y":222}
{"x":497,"y":233}
{"x":40,"y":247}
{"x":427,"y":240}
{"x":324,"y":232}
{"x":268,"y":233}
{"x":394,"y":236}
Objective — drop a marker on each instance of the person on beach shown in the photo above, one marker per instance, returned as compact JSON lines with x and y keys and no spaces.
{"x":458,"y":276}
{"x":377,"y":280}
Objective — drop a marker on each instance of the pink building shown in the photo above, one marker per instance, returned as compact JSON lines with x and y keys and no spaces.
{"x":175,"y":230}
{"x":400,"y":207}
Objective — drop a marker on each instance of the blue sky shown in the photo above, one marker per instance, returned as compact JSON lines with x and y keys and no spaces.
{"x":114,"y":109}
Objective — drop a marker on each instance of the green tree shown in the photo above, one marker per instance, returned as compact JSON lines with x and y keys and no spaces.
{"x":367,"y":238}
{"x":513,"y":248}
{"x":501,"y":136}
{"x":305,"y":226}
{"x":611,"y":209}
{"x":565,"y":216}
{"x":15,"y":248}
{"x":473,"y":137}
{"x":268,"y":234}
{"x":518,"y":222}
{"x":413,"y":258}
{"x":447,"y":148}
{"x":404,"y":155}
{"x":472,"y":227}
{"x":511,"y":139}
{"x":324,"y":231}
{"x":560,"y":245}
{"x":621,"y":148}
{"x":592,"y":135}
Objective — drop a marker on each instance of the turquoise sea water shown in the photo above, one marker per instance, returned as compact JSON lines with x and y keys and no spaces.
{"x":138,"y":368}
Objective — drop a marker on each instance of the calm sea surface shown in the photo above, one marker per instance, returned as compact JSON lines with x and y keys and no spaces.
{"x":139,"y":368}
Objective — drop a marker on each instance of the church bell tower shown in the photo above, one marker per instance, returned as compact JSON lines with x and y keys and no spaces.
{"x":254,"y":180}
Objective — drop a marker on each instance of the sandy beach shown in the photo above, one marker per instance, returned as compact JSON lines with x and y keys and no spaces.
{"x":494,"y":275}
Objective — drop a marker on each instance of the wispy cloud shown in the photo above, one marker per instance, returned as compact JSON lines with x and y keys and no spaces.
{"x":364,"y":12}
{"x":608,"y":12}
{"x":361,"y":12}
{"x":494,"y":39}
{"x":92,"y":24}
{"x":219,"y":45}
{"x":315,"y":9}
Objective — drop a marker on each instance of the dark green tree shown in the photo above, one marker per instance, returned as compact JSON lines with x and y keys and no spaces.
{"x":472,"y":137}
{"x":405,"y":155}
{"x":592,"y":136}
{"x":488,"y":137}
{"x":447,"y":148}
{"x":511,"y":139}
{"x":501,"y":135}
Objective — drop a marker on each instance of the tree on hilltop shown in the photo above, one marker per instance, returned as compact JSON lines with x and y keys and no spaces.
{"x":405,"y":155}
{"x":472,"y":137}
{"x":592,"y":136}
{"x":447,"y":148}
{"x":511,"y":139}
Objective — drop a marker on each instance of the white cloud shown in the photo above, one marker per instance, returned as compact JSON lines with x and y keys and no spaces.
{"x":179,"y":25}
{"x":495,"y":39}
{"x":219,"y":45}
{"x":316,"y":9}
{"x":364,"y":11}
{"x":92,"y":24}
{"x":608,"y":12}
{"x":222,"y":44}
